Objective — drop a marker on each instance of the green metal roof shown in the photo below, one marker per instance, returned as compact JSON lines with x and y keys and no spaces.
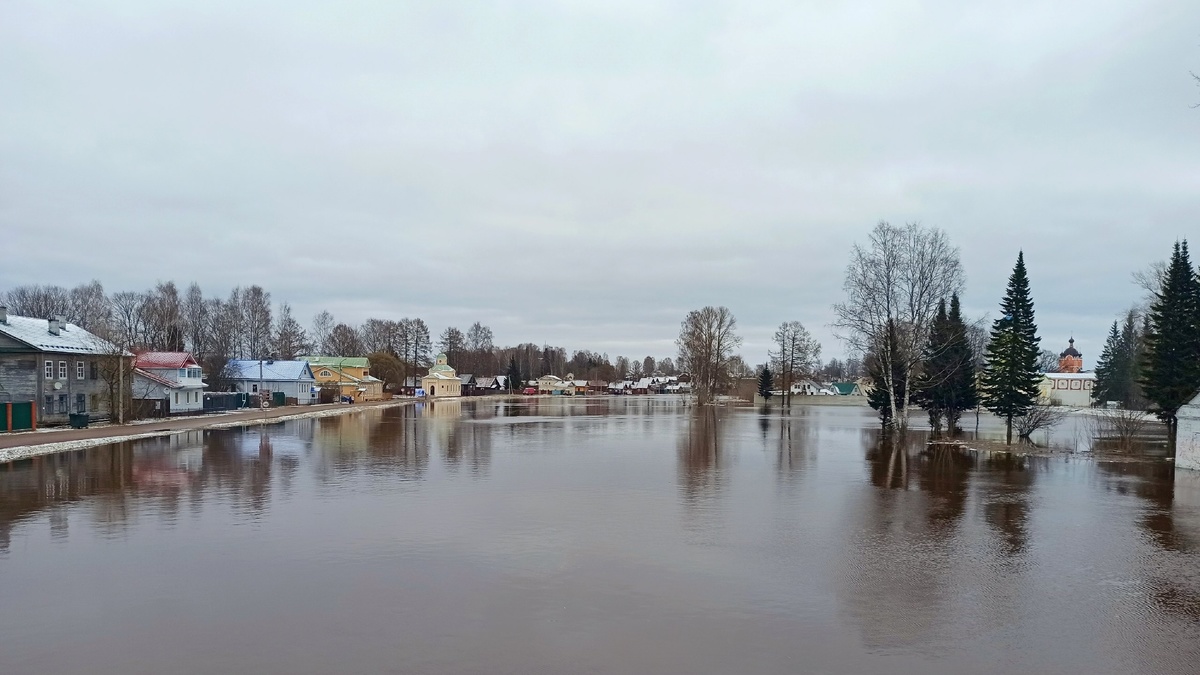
{"x":338,"y":361}
{"x":845,"y":388}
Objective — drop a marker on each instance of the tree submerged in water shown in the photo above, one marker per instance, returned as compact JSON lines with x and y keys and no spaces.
{"x":1011,"y":378}
{"x":765,"y":383}
{"x":946,"y":386}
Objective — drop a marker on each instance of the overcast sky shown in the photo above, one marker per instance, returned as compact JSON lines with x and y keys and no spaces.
{"x":584,"y":173}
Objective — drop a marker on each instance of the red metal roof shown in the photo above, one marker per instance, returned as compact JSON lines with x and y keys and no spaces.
{"x":165,"y":360}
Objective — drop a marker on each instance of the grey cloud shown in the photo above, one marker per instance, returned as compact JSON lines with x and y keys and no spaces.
{"x":637,"y":159}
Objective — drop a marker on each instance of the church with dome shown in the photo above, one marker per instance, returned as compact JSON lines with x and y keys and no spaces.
{"x":1070,"y":386}
{"x":442,"y":381}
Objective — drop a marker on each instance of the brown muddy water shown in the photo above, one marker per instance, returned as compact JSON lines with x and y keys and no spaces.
{"x":632,"y":535}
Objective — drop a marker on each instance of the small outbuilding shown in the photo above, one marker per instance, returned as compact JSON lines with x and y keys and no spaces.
{"x":1187,"y":435}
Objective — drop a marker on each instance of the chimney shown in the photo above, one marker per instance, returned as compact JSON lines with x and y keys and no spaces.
{"x":62,"y":321}
{"x":53,"y":326}
{"x":3,"y":315}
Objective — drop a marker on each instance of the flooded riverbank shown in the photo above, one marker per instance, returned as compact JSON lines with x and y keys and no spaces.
{"x":623,"y":535}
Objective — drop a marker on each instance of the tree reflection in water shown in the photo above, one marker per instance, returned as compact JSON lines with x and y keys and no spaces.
{"x":700,"y":456}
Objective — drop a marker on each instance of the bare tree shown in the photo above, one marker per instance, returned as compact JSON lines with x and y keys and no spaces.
{"x":256,"y":322}
{"x":1150,"y":279}
{"x":622,"y":367}
{"x":322,"y":326}
{"x":42,"y":302}
{"x":195,"y":321}
{"x":796,"y":354}
{"x":1119,"y":427}
{"x":289,"y":339}
{"x":706,"y":342}
{"x":89,"y":305}
{"x":1047,"y":361}
{"x":897,"y":278}
{"x":343,"y":341}
{"x":452,"y":343}
{"x":667,"y":366}
{"x":1039,"y":417}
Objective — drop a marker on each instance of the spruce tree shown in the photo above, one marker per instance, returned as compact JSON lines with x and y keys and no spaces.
{"x":960,"y":385}
{"x":1010,"y":375}
{"x":937,"y":367}
{"x":765,"y":383}
{"x":514,"y":375}
{"x":1111,"y":369}
{"x":1171,"y":369}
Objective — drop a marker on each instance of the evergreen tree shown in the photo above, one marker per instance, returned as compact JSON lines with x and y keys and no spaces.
{"x":1010,"y":374}
{"x":947,"y":383}
{"x":515,"y":383}
{"x":765,"y":383}
{"x":880,"y":398}
{"x":1171,"y":369}
{"x":1110,"y":384}
{"x":960,"y":385}
{"x":937,"y":367}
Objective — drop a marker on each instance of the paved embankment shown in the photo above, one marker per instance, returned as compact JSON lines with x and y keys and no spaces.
{"x":46,"y":441}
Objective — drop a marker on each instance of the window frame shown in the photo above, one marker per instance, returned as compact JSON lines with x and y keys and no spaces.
{"x":62,"y":370}
{"x":79,"y":370}
{"x":49,"y":370}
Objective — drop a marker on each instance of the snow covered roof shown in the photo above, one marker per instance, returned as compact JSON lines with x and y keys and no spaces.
{"x":71,"y":338}
{"x":247,"y":369}
{"x":164,"y":360}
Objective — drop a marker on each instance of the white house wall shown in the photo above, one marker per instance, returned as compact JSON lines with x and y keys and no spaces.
{"x":1187,"y":436}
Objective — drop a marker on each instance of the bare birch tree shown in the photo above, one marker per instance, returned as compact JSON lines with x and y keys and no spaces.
{"x":898,"y":277}
{"x":796,"y":354}
{"x":706,"y":342}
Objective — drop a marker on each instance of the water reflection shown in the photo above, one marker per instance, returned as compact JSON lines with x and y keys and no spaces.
{"x":600,"y":535}
{"x":701,"y":460}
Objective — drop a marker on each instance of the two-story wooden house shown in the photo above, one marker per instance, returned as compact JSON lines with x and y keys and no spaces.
{"x":175,"y":377}
{"x":61,"y":368}
{"x":350,"y":374}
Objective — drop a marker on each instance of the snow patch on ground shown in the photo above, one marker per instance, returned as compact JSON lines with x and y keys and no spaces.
{"x":26,"y":451}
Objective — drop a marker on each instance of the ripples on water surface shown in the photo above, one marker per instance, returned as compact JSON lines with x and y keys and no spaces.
{"x":591,"y":536}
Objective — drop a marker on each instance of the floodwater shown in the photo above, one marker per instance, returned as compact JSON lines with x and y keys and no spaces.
{"x":631,"y":535}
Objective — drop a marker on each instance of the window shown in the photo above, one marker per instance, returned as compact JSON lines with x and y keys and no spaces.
{"x":95,"y":402}
{"x":254,"y":389}
{"x":176,"y":398}
{"x":49,"y":407}
{"x":183,"y":372}
{"x":79,"y":370}
{"x":62,"y":403}
{"x":49,"y":370}
{"x":326,"y":373}
{"x":80,"y":403}
{"x":302,"y":388}
{"x":62,"y":370}
{"x":95,"y":374}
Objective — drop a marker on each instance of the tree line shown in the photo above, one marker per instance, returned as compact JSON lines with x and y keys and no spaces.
{"x":246,"y":324}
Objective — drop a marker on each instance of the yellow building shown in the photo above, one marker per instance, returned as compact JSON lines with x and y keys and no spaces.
{"x":442,"y":381}
{"x":350,"y":374}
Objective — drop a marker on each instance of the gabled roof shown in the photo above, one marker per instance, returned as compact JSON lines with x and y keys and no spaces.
{"x":338,"y":361}
{"x":71,"y":339}
{"x":247,"y":369}
{"x":845,"y":388}
{"x":485,"y":382}
{"x":173,"y":360}
{"x":157,"y":379}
